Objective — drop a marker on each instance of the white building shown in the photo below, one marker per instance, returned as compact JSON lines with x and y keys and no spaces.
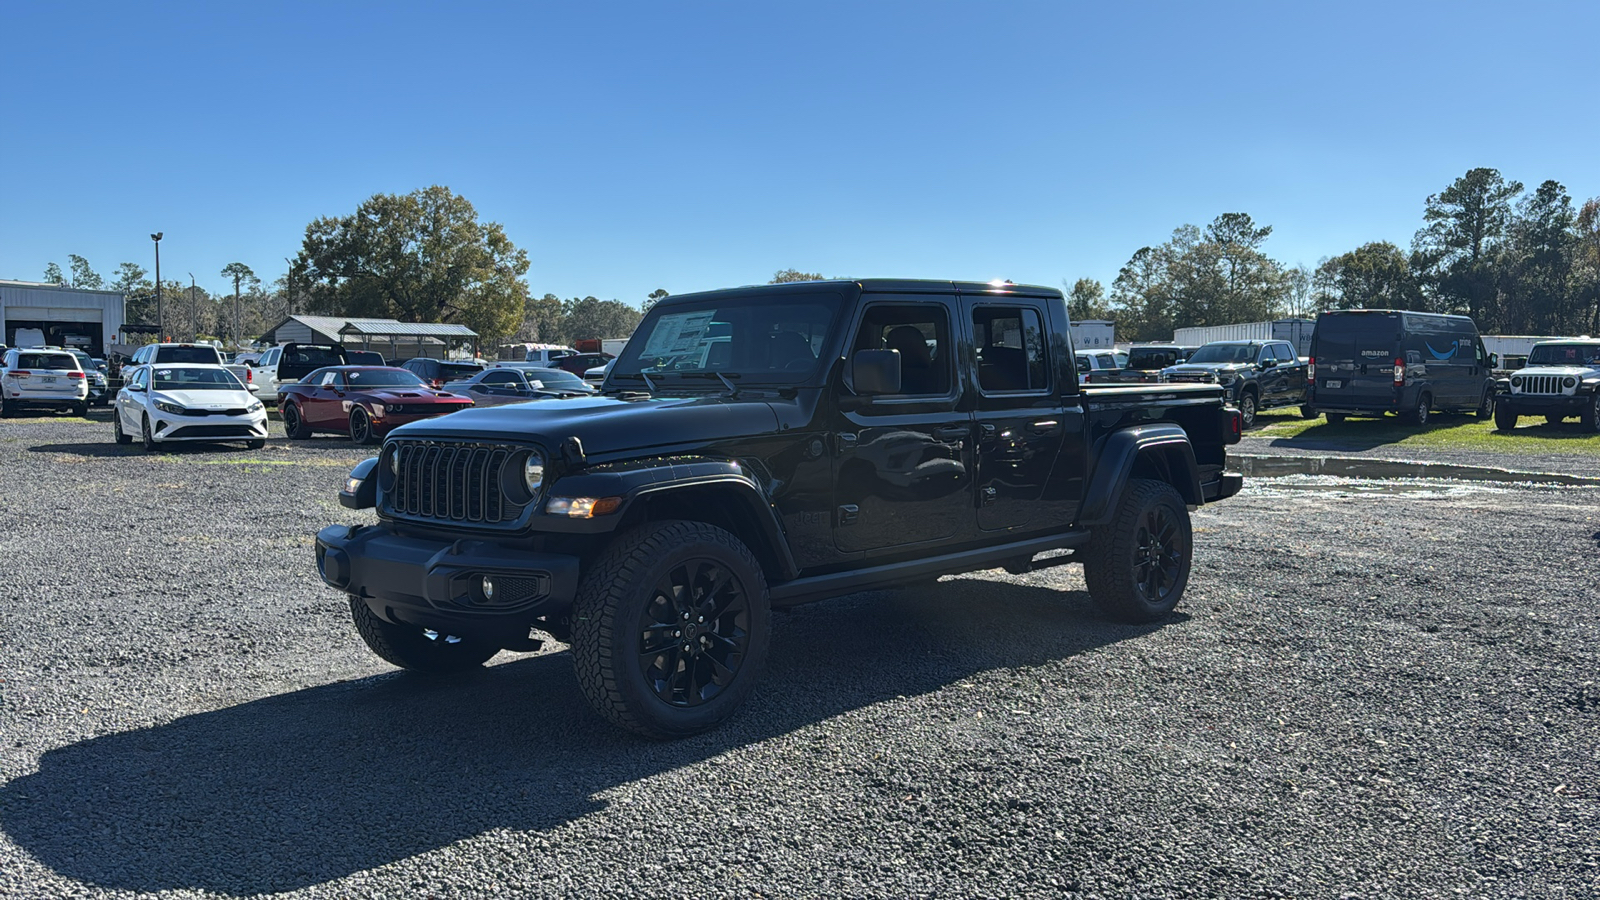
{"x":34,"y":314}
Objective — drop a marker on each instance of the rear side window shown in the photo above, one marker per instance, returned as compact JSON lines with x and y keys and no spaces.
{"x":315,"y":356}
{"x":1010,"y":347}
{"x":50,"y":361}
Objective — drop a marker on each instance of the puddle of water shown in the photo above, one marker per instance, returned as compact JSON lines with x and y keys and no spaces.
{"x":1386,"y":487}
{"x":1346,"y":467}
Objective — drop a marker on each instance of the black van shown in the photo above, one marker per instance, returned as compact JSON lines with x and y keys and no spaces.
{"x":1367,"y":362}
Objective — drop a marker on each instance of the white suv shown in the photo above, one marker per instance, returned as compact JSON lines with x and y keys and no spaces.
{"x":42,"y":378}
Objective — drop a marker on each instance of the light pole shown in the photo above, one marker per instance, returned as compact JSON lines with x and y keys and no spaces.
{"x":193,"y":311}
{"x":161,"y":323}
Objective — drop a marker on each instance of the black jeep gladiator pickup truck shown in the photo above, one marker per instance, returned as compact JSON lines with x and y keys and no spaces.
{"x":761,"y":447}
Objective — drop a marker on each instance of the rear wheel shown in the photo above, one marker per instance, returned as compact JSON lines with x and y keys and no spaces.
{"x":417,"y":649}
{"x":1334,"y":418}
{"x":7,"y":409}
{"x":670,"y":628}
{"x":293,"y":425}
{"x":1137,"y":564}
{"x":1505,"y":418}
{"x":1309,"y":412}
{"x":360,"y":426}
{"x":81,"y":410}
{"x":1419,"y":414}
{"x":1590,"y":417}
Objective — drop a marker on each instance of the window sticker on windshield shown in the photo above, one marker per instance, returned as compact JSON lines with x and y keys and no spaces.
{"x":677,"y":334}
{"x":164,"y":373}
{"x":536,"y":385}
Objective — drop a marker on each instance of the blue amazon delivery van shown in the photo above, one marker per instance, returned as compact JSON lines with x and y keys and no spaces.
{"x":1375,"y":362}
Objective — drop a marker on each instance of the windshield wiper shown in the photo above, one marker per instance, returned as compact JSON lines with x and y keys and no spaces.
{"x":733,"y":389}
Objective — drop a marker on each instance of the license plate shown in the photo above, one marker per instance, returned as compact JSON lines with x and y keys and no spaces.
{"x":47,"y":379}
{"x":1332,"y":384}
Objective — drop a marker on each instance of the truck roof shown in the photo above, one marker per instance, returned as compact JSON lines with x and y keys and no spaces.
{"x":877,"y":285}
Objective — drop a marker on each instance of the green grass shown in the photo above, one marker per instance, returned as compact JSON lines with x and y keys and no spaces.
{"x":1532,"y":438}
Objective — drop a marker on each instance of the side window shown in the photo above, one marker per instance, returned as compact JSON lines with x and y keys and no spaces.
{"x":501,"y":379}
{"x":1010,"y":348}
{"x":921,"y":334}
{"x":327,"y":379}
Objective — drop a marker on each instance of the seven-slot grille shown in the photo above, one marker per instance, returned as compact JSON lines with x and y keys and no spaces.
{"x":1539,"y":384}
{"x":449,"y":482}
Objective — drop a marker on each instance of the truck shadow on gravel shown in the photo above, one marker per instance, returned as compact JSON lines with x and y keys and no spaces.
{"x":307,"y":787}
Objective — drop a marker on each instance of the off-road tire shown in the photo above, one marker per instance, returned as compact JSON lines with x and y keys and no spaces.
{"x":146,"y":439}
{"x":1485,"y":408}
{"x":360,"y":426}
{"x":1118,"y":582}
{"x":410,"y":648}
{"x":1590,"y":417}
{"x":1418,"y":415}
{"x":1248,"y":407}
{"x":1505,"y":418}
{"x":294,"y":424}
{"x":121,"y":436}
{"x":610,"y":614}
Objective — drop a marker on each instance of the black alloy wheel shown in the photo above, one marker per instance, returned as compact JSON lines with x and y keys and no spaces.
{"x":1137,"y":564}
{"x":360,"y":426}
{"x":695,"y":632}
{"x":293,"y":426}
{"x":670,"y":628}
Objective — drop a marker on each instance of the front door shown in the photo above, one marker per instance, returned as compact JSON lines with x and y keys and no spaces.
{"x":1020,"y":420}
{"x":903,"y":473}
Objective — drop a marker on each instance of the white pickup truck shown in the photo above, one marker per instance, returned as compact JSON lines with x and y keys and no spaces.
{"x":203,"y":354}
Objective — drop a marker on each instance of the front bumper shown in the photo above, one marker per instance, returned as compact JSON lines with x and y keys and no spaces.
{"x":165,"y":427}
{"x":436,"y":584}
{"x":1542,"y":404}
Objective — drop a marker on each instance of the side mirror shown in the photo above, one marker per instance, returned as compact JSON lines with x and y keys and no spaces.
{"x":136,"y":388}
{"x":876,"y":372}
{"x":1494,"y":360}
{"x":1269,"y":364}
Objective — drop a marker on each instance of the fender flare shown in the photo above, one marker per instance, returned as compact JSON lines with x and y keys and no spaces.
{"x":1115,"y":462}
{"x":637,"y":484}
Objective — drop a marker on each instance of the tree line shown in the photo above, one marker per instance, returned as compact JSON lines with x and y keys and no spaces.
{"x":1517,"y":262}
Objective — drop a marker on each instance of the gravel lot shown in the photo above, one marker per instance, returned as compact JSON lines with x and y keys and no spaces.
{"x":1374,"y":690}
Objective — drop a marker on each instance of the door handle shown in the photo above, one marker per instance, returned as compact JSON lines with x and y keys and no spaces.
{"x":1050,"y":427}
{"x":952,"y":432}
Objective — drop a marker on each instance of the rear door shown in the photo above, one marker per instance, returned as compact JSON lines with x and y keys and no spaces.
{"x":1355,"y":353}
{"x":1020,"y":422}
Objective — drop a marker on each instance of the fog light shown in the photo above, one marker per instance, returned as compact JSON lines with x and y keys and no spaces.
{"x":488,"y":588}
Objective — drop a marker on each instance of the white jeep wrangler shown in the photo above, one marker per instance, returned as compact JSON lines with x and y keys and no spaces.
{"x":1562,"y":379}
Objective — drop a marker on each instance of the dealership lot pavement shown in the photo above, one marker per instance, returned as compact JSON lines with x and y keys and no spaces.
{"x":1372,"y":688}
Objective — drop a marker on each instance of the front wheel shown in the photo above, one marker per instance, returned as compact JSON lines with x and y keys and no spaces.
{"x":294,"y":427}
{"x":417,"y":649}
{"x":146,"y":439}
{"x":670,"y":628}
{"x":1247,"y":409}
{"x":1505,"y":418}
{"x":1590,"y":417}
{"x":1137,"y":564}
{"x":360,"y":426}
{"x":121,"y":436}
{"x":255,"y":445}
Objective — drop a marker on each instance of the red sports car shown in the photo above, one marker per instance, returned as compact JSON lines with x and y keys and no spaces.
{"x":364,"y":402}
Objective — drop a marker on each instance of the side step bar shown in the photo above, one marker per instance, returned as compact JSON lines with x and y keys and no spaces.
{"x":820,"y":587}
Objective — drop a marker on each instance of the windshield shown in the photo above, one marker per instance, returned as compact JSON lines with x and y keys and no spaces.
{"x":180,"y":379}
{"x":1153,"y":357}
{"x":377,"y":378}
{"x":55,"y":361}
{"x":1225,"y":353}
{"x":558,"y":379}
{"x":763,"y":340}
{"x":205,"y":355}
{"x":1564,"y":355}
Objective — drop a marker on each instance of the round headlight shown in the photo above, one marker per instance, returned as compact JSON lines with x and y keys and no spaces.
{"x":533,"y":471}
{"x":1517,"y":381}
{"x":1569,"y":381}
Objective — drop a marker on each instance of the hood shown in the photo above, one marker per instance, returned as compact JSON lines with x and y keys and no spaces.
{"x":1575,"y":371}
{"x":606,"y":424}
{"x":206,"y":399}
{"x":404,"y":395}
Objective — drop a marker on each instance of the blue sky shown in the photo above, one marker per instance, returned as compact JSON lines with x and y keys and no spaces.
{"x":630,"y":146}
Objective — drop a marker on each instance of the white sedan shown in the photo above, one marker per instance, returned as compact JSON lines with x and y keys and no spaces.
{"x":179,"y":402}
